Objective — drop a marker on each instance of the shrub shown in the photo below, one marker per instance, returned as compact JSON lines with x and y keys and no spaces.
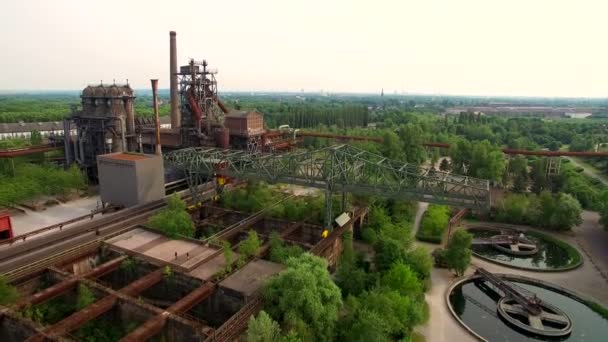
{"x":174,"y":220}
{"x":251,"y":246}
{"x":434,"y":224}
{"x":279,"y":252}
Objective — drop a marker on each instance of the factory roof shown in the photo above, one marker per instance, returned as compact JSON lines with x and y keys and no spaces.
{"x":251,"y":277}
{"x":240,"y":113}
{"x":127,"y":156}
{"x":19,"y":127}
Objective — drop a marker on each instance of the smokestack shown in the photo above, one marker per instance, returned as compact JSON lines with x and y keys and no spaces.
{"x":156,"y":121}
{"x":175,"y":114}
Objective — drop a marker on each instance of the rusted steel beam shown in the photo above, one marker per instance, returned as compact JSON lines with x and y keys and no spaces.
{"x":59,"y":288}
{"x":79,"y":318}
{"x":156,"y":324}
{"x":147,"y":330}
{"x":340,"y":137}
{"x":192,"y":299}
{"x":48,"y":293}
{"x":105,"y":268}
{"x":16,"y":152}
{"x":143,"y":283}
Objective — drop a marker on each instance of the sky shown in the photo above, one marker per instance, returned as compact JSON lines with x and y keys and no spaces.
{"x":464,"y":47}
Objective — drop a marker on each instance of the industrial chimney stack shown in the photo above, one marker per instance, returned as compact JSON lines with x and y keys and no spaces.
{"x":175,"y":114}
{"x":158,"y":149}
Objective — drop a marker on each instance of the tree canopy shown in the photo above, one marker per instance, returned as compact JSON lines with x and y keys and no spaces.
{"x":458,"y":253}
{"x":304,"y":299}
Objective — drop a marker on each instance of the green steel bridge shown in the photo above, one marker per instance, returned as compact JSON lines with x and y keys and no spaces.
{"x":341,"y":168}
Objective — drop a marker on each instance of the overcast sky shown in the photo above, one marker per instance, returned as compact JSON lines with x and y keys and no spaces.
{"x":471,"y":47}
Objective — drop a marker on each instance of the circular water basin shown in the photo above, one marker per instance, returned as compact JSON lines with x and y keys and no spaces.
{"x":552,"y":255}
{"x":476,"y":305}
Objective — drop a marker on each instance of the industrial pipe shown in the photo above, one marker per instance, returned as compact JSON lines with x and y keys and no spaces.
{"x":175,"y":114}
{"x":156,"y":121}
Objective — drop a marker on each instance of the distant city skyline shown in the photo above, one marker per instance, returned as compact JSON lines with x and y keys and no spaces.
{"x":437,"y":47}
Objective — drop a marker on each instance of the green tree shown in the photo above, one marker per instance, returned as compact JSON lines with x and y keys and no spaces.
{"x":303,"y":298}
{"x":518,"y":167}
{"x":420,"y":262}
{"x":399,"y":313}
{"x":391,"y":146}
{"x":263,"y":329}
{"x":174,"y":220}
{"x":402,"y":279}
{"x":362,"y":325}
{"x":412,"y":138}
{"x":458,"y":253}
{"x":566,"y":213}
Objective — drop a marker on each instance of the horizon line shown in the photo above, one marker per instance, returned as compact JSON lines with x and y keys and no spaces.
{"x":319,"y":92}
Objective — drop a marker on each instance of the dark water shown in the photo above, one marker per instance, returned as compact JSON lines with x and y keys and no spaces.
{"x":468,"y":300}
{"x":549,"y":256}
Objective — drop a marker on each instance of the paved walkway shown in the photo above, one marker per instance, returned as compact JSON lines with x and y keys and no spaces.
{"x":441,"y":327}
{"x":32,"y":220}
{"x":422,"y":207}
{"x":593,"y":240}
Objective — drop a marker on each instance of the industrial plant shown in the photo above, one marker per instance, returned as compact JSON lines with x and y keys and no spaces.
{"x":168,"y":255}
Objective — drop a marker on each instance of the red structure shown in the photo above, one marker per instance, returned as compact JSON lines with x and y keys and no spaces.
{"x":16,"y":152}
{"x":6,"y":227}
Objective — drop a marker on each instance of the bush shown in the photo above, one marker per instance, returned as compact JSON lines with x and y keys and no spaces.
{"x":279,"y":252}
{"x":251,"y":246}
{"x":555,"y":211}
{"x":434,"y":224}
{"x":174,"y":220}
{"x":35,"y":180}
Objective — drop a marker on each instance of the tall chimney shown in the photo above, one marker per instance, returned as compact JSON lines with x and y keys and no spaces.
{"x":156,"y":121}
{"x":175,"y":114}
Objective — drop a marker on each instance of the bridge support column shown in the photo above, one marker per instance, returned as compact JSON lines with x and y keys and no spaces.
{"x":328,"y":205}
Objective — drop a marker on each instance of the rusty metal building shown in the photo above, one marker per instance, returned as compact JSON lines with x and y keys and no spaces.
{"x":106,"y":124}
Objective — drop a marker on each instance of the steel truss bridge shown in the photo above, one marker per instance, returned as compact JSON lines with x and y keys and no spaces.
{"x":341,"y":168}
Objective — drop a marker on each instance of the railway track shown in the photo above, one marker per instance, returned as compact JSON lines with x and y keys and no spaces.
{"x":38,"y":253}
